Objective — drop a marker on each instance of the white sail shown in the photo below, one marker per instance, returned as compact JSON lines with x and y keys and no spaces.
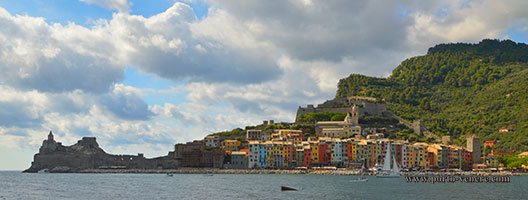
{"x":387,"y":159}
{"x":395,"y":167}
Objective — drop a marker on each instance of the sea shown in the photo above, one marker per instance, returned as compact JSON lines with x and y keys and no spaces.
{"x":17,"y":185}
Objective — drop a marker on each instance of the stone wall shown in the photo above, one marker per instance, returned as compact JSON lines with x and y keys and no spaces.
{"x":367,"y":105}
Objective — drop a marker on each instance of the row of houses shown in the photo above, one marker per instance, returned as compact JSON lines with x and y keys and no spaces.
{"x":289,"y":149}
{"x":354,"y":153}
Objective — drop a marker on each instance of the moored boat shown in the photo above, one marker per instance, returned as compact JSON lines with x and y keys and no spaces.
{"x":387,"y":170}
{"x":361,"y":179}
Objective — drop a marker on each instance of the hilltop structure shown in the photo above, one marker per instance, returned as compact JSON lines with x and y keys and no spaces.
{"x":340,"y":129}
{"x":366,"y":106}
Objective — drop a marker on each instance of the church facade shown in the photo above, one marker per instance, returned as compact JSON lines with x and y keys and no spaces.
{"x":340,"y":129}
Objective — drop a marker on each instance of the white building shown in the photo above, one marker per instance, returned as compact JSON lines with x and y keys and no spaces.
{"x":212,"y":141}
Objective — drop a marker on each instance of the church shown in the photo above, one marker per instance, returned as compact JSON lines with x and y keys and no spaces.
{"x":340,"y":129}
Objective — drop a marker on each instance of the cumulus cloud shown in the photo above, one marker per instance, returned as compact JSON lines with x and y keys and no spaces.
{"x":170,"y":45}
{"x":468,"y":21}
{"x":126,"y":104}
{"x":54,"y":58}
{"x":119,"y":5}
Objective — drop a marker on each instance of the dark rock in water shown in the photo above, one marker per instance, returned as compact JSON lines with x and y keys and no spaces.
{"x":285,"y":188}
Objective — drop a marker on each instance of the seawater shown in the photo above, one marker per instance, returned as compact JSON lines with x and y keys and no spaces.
{"x":16,"y":185}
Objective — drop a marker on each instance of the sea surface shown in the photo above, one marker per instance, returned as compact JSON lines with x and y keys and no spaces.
{"x":16,"y":185}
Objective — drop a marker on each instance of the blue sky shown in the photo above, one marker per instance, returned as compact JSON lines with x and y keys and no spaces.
{"x":142,"y":75}
{"x":64,"y":11}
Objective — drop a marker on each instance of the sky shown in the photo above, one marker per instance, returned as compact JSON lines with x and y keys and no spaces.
{"x":142,"y":76}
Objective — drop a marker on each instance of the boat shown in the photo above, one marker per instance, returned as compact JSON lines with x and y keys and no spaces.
{"x":286,"y":188}
{"x":170,"y":174}
{"x":362,"y":179}
{"x":43,"y":171}
{"x":388,"y":171}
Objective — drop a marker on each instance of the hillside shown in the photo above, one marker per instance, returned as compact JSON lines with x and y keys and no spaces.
{"x":458,"y":89}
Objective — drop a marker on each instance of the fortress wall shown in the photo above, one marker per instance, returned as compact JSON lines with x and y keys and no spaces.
{"x":334,"y":107}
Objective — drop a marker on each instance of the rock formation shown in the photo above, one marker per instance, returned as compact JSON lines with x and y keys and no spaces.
{"x":87,"y":154}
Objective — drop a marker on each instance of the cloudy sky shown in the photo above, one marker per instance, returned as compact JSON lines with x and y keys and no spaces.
{"x":143,"y":75}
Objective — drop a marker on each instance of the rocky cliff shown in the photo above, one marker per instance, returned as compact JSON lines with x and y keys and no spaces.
{"x":86,"y":154}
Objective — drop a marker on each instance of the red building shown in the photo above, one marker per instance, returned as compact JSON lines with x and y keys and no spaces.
{"x":324,"y":154}
{"x":307,"y":158}
{"x":490,"y":144}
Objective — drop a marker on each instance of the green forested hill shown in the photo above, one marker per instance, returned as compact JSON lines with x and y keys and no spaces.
{"x":458,"y":89}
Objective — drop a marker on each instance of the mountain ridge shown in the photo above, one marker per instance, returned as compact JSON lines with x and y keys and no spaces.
{"x":458,"y":89}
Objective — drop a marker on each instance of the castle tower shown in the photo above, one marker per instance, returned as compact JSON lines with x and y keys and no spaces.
{"x":352,"y":117}
{"x":50,"y":136}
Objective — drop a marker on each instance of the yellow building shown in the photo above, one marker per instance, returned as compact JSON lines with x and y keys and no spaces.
{"x":314,"y":152}
{"x":421,"y":155}
{"x":232,"y":145}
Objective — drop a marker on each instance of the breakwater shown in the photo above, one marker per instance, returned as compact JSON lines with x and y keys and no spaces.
{"x":280,"y":171}
{"x":224,"y":171}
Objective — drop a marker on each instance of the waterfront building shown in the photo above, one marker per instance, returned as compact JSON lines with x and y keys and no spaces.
{"x":254,"y":154}
{"x":289,"y":154}
{"x":299,"y":155}
{"x":194,"y":154}
{"x":473,"y":145}
{"x":399,"y":153}
{"x":263,"y":155}
{"x":467,"y":163}
{"x":307,"y":159}
{"x":410,"y":154}
{"x":336,"y":146}
{"x":422,"y":159}
{"x":239,"y":160}
{"x":364,"y":153}
{"x":324,"y":153}
{"x":440,"y":155}
{"x":314,"y":153}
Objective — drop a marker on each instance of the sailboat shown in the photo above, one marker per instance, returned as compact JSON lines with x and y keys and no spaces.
{"x":387,"y":171}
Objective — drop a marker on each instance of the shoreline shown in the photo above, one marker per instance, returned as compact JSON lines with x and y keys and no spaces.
{"x":340,"y":172}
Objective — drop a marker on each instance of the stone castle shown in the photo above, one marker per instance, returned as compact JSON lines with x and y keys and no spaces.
{"x":86,"y":154}
{"x":366,"y":106}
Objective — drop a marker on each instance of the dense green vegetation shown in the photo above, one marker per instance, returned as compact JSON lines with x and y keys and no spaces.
{"x":514,"y":162}
{"x":240,"y":134}
{"x":458,"y":89}
{"x":324,"y":116}
{"x":378,"y":120}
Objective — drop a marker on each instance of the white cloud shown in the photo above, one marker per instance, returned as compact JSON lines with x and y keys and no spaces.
{"x":54,"y":58}
{"x":119,"y":5}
